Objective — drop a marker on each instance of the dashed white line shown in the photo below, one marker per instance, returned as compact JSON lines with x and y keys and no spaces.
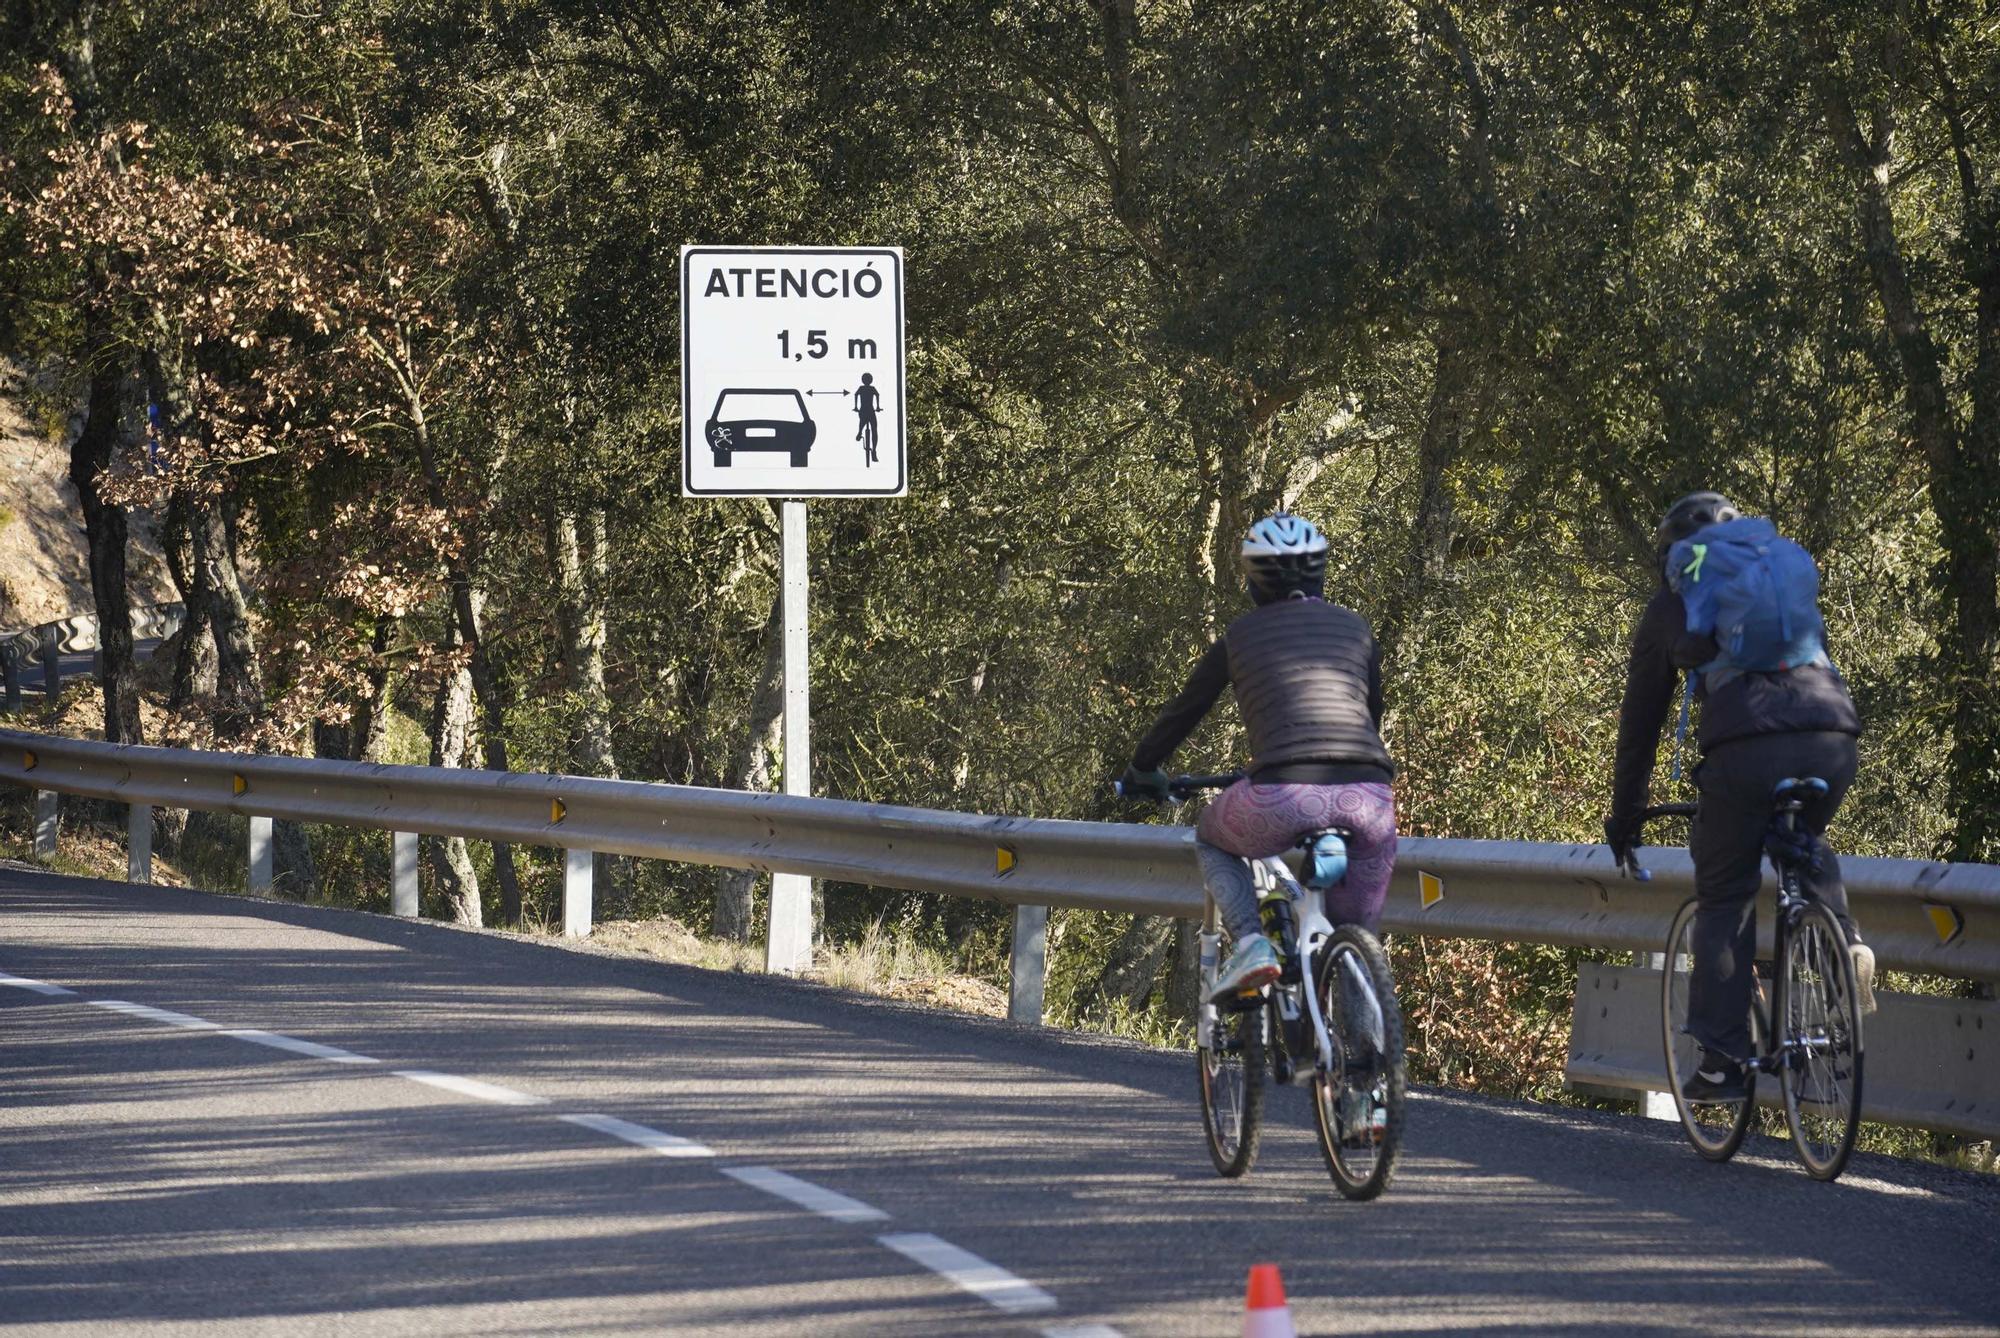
{"x":806,"y":1194}
{"x":311,"y":1049}
{"x":989,"y":1282}
{"x":483,"y":1091}
{"x":38,"y":986}
{"x":667,"y":1145}
{"x":152,"y":1014}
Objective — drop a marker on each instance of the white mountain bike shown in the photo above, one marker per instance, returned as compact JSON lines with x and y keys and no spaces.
{"x":1329,"y":1020}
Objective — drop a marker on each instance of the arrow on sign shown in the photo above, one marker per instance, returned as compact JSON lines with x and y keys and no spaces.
{"x":842,"y":393}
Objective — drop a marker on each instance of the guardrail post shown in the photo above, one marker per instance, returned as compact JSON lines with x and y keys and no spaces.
{"x":47,"y":809}
{"x":1655,"y":1105}
{"x":13,"y":673}
{"x":51,"y":667}
{"x":260,"y":857}
{"x":1028,"y":966}
{"x":139,"y":844}
{"x":577,"y":866}
{"x":403,"y":874}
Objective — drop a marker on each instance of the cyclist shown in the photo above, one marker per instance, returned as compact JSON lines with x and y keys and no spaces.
{"x":1757,"y":729}
{"x":1308,"y":682}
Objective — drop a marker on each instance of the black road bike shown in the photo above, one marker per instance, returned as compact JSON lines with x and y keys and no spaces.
{"x":1805,"y":1017}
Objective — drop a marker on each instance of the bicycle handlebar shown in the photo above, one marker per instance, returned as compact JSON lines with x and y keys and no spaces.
{"x":1181,"y":788}
{"x":1628,"y":864}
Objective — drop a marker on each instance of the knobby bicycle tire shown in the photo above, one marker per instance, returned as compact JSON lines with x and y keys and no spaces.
{"x":1361,"y":1169}
{"x":1233,"y":1157}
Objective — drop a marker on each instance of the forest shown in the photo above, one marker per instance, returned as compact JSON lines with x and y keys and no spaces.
{"x":373,"y":306}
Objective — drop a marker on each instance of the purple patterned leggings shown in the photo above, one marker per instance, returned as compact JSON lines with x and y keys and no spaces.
{"x":1248,"y":821}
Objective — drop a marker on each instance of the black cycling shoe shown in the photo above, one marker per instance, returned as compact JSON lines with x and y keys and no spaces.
{"x":1716,"y":1081}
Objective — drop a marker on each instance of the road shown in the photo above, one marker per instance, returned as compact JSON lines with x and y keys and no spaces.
{"x":175,"y":1171}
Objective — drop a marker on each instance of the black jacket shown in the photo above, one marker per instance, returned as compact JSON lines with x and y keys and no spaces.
{"x":1811,"y":698}
{"x":1308,"y":680}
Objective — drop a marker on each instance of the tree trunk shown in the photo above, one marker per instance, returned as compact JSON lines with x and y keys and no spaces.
{"x":1427,"y":559}
{"x":369,"y":734}
{"x":1183,"y":992}
{"x":105,"y":529}
{"x":194,"y":665}
{"x":750,"y":768}
{"x":1134,"y":962}
{"x":580,"y":581}
{"x":1964,"y":481}
{"x":468,"y":601}
{"x":451,"y":728}
{"x":218,"y":588}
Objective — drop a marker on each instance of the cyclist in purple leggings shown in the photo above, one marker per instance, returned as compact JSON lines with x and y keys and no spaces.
{"x":1308,"y":681}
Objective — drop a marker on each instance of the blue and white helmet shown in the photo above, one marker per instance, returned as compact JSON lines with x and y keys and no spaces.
{"x":1284,"y":555}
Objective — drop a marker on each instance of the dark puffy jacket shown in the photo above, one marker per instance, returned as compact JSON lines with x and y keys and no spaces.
{"x":1308,"y":680}
{"x":1809,"y":699}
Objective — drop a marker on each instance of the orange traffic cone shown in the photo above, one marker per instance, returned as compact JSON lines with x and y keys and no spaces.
{"x":1265,"y":1314}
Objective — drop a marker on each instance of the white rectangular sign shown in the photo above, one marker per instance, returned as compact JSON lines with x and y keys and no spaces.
{"x":792,"y":372}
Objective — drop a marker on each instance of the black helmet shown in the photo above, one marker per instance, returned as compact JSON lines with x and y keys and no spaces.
{"x":1284,"y":555}
{"x":1691,"y":513}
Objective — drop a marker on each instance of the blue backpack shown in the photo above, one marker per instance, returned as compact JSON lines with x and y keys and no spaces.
{"x":1756,"y":592}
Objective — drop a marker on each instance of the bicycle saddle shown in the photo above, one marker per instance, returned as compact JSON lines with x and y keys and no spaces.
{"x":1798,"y":789}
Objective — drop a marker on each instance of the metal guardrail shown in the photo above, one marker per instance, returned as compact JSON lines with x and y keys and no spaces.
{"x":1933,"y":1063}
{"x":50,"y":641}
{"x":1920,"y":916}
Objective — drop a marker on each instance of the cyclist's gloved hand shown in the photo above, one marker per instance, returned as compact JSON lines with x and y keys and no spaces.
{"x":1622,"y":835}
{"x":1137,"y":784}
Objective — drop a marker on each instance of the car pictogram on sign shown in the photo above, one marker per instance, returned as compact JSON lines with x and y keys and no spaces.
{"x":760,"y":420}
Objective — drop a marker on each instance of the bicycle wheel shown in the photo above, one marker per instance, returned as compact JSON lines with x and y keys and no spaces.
{"x":1358,"y":1107}
{"x":1819,"y":1039}
{"x":1231,"y":1061}
{"x":1715,"y":1128}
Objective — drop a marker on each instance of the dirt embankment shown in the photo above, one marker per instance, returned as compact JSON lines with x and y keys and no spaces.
{"x":44,"y":564}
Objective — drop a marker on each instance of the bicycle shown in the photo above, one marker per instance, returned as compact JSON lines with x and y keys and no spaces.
{"x":1345,"y":1033}
{"x":868,"y":435}
{"x":1805,"y":1018}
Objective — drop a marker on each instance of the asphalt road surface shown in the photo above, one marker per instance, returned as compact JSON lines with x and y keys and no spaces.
{"x":307,"y":1121}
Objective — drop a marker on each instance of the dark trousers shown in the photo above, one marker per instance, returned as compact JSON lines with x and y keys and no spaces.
{"x":1735,"y":783}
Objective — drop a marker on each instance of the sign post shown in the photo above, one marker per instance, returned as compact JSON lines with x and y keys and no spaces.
{"x":782,"y":348}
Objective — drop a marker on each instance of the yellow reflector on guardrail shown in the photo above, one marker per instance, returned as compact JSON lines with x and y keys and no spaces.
{"x":1430,"y":889}
{"x":1946,"y":920}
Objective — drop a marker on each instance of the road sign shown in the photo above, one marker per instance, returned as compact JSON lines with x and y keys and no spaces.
{"x":792,"y":372}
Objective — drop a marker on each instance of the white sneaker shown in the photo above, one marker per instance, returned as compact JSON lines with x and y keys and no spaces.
{"x":1252,"y":966}
{"x":1864,"y":976}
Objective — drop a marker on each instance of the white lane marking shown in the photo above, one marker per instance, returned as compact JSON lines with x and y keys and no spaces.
{"x":39,"y":987}
{"x":152,"y":1014}
{"x":806,"y":1194}
{"x":667,"y":1145}
{"x":483,"y":1091}
{"x":311,"y":1049}
{"x":989,"y":1282}
{"x":1082,"y":1331}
